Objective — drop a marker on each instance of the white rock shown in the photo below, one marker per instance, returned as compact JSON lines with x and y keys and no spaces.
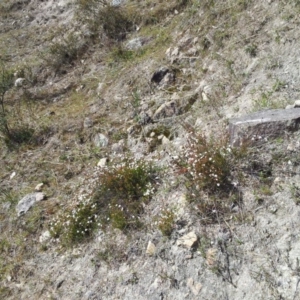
{"x":19,"y":82}
{"x":45,"y":237}
{"x":278,"y":180}
{"x":175,"y":52}
{"x":165,"y":140}
{"x":151,"y":248}
{"x":102,"y":162}
{"x":12,"y":175}
{"x":88,"y":122}
{"x":38,"y":187}
{"x":99,"y":88}
{"x":204,"y":97}
{"x":100,"y":140}
{"x":297,"y":103}
{"x":188,"y":240}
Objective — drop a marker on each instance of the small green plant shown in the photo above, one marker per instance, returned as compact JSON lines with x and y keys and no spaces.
{"x":64,"y":51}
{"x":208,"y":167}
{"x":6,"y":83}
{"x":251,"y":50}
{"x":113,"y":21}
{"x":119,"y":53}
{"x":295,"y":192}
{"x":166,"y":222}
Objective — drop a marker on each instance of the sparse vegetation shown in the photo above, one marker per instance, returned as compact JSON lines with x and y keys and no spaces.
{"x":81,"y":78}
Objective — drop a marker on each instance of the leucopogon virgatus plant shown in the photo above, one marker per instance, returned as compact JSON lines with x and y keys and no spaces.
{"x":119,"y":199}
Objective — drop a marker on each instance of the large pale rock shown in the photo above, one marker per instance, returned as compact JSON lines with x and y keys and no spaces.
{"x":28,"y":201}
{"x":263,"y":125}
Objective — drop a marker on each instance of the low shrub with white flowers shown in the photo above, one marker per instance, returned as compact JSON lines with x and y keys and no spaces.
{"x":207,"y":166}
{"x":123,"y":191}
{"x":206,"y":163}
{"x":119,"y":200}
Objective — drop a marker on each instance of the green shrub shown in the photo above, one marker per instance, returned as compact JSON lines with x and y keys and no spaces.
{"x":64,"y":52}
{"x":100,"y":16}
{"x":207,"y":166}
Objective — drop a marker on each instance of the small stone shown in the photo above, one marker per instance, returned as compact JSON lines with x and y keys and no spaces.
{"x":166,"y":110}
{"x":204,"y":97}
{"x":118,"y":147}
{"x":194,"y":287}
{"x":38,"y":187}
{"x":175,"y":52}
{"x":278,"y":180}
{"x":165,"y":140}
{"x":99,"y":88}
{"x":151,"y":248}
{"x":19,"y":82}
{"x":102,"y":162}
{"x":297,"y":103}
{"x":45,"y":237}
{"x":12,"y":175}
{"x":100,"y":140}
{"x":135,"y":43}
{"x":87,"y":123}
{"x":291,"y":147}
{"x":273,"y":208}
{"x":188,"y":240}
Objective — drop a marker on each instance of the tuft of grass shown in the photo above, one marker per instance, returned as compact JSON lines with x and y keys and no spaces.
{"x":101,"y":16}
{"x":63,"y":51}
{"x":166,"y":222}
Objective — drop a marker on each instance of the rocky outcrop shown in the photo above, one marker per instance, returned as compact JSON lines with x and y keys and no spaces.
{"x":262,"y":125}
